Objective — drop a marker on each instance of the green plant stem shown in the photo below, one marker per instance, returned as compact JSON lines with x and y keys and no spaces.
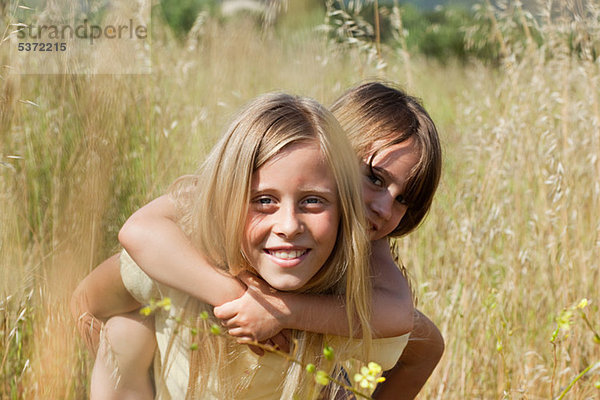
{"x":554,"y":361}
{"x":574,"y":381}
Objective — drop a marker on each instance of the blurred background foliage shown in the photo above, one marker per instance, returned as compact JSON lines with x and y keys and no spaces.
{"x":514,"y":233}
{"x":441,"y":30}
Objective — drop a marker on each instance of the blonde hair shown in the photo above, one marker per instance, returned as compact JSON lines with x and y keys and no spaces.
{"x":214,"y":205}
{"x":378,"y":113}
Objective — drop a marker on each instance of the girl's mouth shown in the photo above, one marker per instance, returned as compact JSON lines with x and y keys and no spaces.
{"x":287,"y":254}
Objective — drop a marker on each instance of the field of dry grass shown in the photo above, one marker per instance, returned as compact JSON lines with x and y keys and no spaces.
{"x":512,"y":240}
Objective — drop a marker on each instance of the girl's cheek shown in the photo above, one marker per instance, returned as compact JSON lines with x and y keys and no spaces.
{"x":333,"y":225}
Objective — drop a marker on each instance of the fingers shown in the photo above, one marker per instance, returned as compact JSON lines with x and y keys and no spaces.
{"x":228,"y":323}
{"x":240,"y":333}
{"x":234,"y":328}
{"x":225,"y":311}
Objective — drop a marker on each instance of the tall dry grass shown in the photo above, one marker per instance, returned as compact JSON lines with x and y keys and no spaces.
{"x":515,"y":234}
{"x":513,"y":237}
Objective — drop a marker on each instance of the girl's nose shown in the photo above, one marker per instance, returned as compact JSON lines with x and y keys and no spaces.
{"x":288,"y":223}
{"x":382,"y":206}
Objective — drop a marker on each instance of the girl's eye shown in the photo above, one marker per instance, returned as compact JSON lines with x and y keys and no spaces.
{"x":375,"y":180}
{"x":263,"y":203}
{"x":313,"y":203}
{"x":400,"y":199}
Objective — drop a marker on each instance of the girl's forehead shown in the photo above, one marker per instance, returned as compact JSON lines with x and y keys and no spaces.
{"x":301,"y":145}
{"x":303,"y":154}
{"x":395,"y":161}
{"x":296,"y":170}
{"x":384,"y":145}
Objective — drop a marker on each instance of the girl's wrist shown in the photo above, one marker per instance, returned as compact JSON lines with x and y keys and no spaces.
{"x":229,"y":289}
{"x":290,"y":311}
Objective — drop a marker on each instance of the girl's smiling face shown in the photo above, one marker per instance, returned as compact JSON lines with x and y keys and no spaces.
{"x":384,"y":184}
{"x":293,"y":217}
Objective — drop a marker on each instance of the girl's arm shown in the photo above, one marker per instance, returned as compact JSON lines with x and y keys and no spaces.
{"x":156,"y":243}
{"x":262,"y":309}
{"x":99,"y":296}
{"x":417,"y":362}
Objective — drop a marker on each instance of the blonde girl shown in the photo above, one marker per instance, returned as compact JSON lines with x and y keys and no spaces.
{"x":221,"y":209}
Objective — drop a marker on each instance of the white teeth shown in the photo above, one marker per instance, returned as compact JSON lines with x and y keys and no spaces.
{"x":287,"y":255}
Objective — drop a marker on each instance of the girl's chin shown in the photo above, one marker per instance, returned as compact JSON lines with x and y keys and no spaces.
{"x":374,"y":235}
{"x":285,"y":285}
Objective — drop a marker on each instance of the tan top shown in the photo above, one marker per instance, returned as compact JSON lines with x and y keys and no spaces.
{"x":265,"y":373}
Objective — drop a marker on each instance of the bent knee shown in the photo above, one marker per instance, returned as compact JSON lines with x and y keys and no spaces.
{"x":130,"y":339}
{"x":79,"y":303}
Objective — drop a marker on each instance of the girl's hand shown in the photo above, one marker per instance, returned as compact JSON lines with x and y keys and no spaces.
{"x":259,"y":314}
